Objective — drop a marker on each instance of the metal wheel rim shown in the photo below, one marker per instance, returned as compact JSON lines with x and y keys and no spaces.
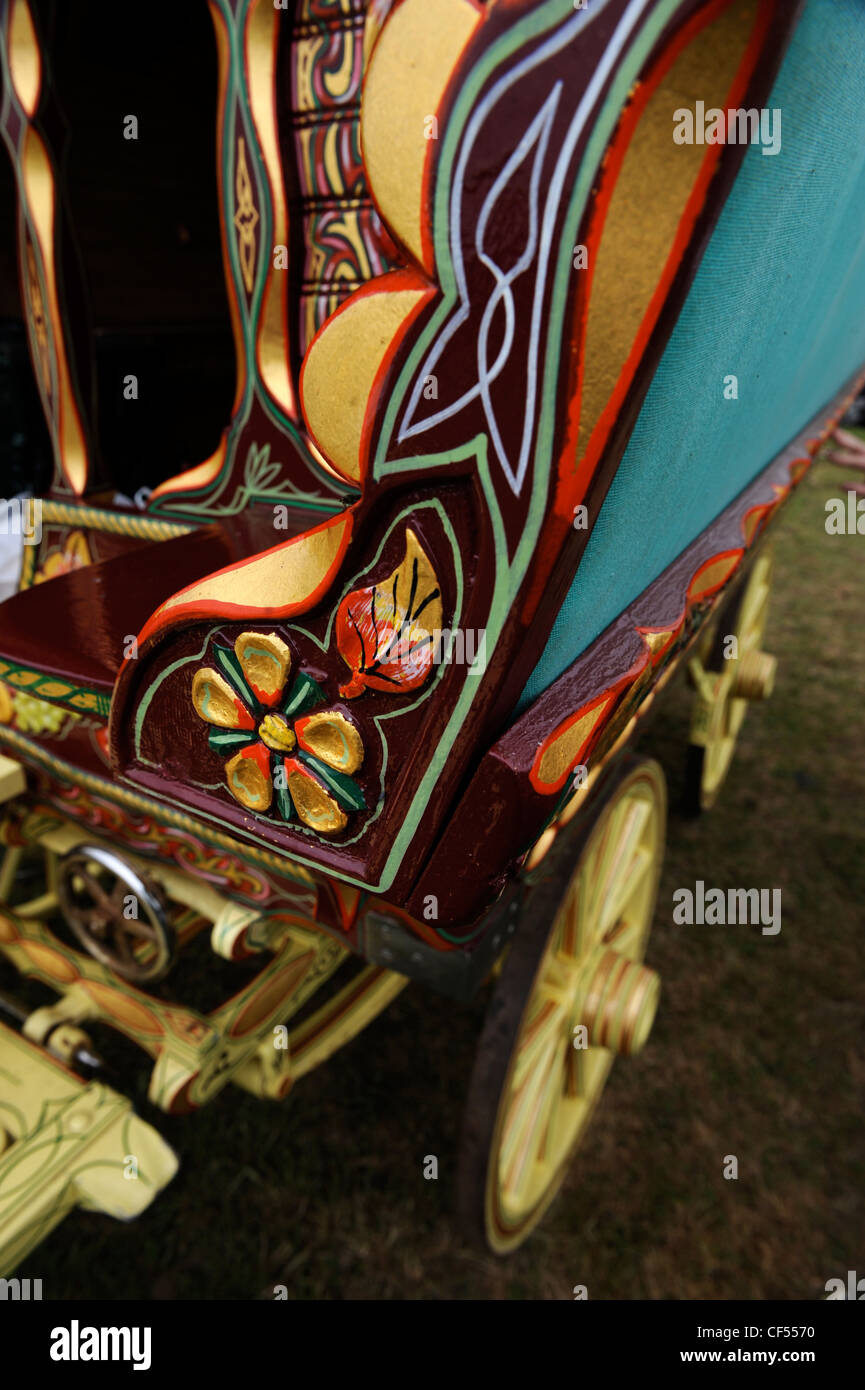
{"x":77,"y":873}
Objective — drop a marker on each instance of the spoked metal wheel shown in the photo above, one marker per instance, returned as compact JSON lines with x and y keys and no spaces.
{"x":572,"y":995}
{"x":726,"y":684}
{"x":119,"y":917}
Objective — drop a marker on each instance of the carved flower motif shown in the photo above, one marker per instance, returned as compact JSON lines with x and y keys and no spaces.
{"x":280,"y":751}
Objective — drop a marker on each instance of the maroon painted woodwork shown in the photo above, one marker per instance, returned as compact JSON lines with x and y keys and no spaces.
{"x":171,"y":764}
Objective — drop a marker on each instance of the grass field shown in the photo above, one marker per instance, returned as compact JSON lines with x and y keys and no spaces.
{"x":758,"y":1051}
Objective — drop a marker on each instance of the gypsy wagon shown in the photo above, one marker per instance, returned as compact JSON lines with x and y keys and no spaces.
{"x":521,"y":382}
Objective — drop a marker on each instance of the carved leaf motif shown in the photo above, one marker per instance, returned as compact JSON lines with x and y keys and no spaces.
{"x":386,"y":633}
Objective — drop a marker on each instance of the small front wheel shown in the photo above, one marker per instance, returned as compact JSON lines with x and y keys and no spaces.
{"x":573,"y":994}
{"x":726,"y":678}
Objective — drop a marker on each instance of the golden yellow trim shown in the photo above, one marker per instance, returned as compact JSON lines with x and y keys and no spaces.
{"x":411,"y":66}
{"x":273,"y":342}
{"x":38,"y":323}
{"x":341,"y":369}
{"x":416,"y":583}
{"x":37,"y":178}
{"x":558,"y":758}
{"x":713,"y":575}
{"x":25,"y":62}
{"x":280,"y":579}
{"x":656,"y":641}
{"x":647,"y":204}
{"x":245,"y":217}
{"x":118,"y":523}
{"x":200,"y":476}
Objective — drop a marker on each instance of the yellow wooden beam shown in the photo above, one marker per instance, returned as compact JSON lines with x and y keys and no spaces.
{"x":13,"y":780}
{"x":66,"y":1143}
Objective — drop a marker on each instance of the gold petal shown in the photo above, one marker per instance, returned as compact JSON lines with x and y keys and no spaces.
{"x":247,"y":781}
{"x":265,"y":661}
{"x":314,"y":805}
{"x":332,"y":738}
{"x":216,"y":702}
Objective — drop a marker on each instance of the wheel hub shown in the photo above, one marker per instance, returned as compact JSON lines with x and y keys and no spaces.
{"x":616,"y":1002}
{"x":117,"y":915}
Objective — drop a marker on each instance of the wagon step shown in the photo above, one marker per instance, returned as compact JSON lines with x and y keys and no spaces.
{"x":67,"y":1143}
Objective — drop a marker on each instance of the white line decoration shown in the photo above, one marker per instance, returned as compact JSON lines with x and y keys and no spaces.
{"x":538,"y":247}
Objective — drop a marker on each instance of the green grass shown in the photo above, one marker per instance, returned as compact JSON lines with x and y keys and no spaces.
{"x":757,"y":1052}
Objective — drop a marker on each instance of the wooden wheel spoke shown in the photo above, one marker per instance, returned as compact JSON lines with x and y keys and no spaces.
{"x":615,"y":842}
{"x":539,"y":1033}
{"x":135,"y":926}
{"x":100,"y":897}
{"x":624,"y":935}
{"x":621,"y":869}
{"x":582,"y":1066}
{"x":719,"y":712}
{"x":557,"y":975}
{"x":121,"y":943}
{"x":625,"y":890}
{"x":753,"y":612}
{"x":576,"y":1061}
{"x":523,"y":1135}
{"x":547,"y":1128}
{"x":582,"y":922}
{"x":566,"y":933}
{"x":593,"y":881}
{"x":754,"y":626}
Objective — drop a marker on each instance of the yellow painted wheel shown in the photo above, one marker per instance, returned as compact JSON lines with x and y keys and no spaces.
{"x":726,"y":684}
{"x":572,"y":995}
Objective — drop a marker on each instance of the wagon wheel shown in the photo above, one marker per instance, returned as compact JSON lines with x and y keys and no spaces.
{"x":114,"y":912}
{"x":725,"y":686}
{"x":572,"y":994}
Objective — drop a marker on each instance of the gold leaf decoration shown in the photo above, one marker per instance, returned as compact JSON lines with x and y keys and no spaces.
{"x":265,"y":661}
{"x":332,"y":739}
{"x":315,"y":806}
{"x":216,"y":702}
